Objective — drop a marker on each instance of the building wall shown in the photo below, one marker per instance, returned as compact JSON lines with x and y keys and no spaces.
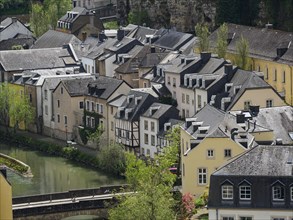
{"x":201,"y":99}
{"x":5,"y":199}
{"x":146,"y":146}
{"x":109,"y":66}
{"x":197,"y":158}
{"x":264,"y":136}
{"x":130,"y":78}
{"x":174,"y":88}
{"x":187,"y":106}
{"x":88,"y":65}
{"x":256,"y":214}
{"x":258,"y":97}
{"x":112,"y":110}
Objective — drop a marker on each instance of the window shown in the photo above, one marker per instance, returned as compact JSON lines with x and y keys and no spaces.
{"x":112,"y":110}
{"x":228,"y":218}
{"x":168,"y":80}
{"x":245,"y":192}
{"x":275,"y":75}
{"x":174,"y":82}
{"x":174,"y":95}
{"x":87,"y":122}
{"x":80,"y":105}
{"x":146,"y":138}
{"x":144,"y":84}
{"x":146,"y":125}
{"x":58,"y":103}
{"x":98,"y":107}
{"x":187,"y":99}
{"x":227,"y":152}
{"x":183,"y":169}
{"x":92,"y":122}
{"x":61,"y":90}
{"x":153,"y":140}
{"x":267,"y":73}
{"x":291,"y":193}
{"x":46,"y":94}
{"x":269,"y":103}
{"x":46,"y":109}
{"x":245,"y":218}
{"x":246,"y":105}
{"x":187,"y":113}
{"x":101,"y":108}
{"x":102,"y":124}
{"x":198,"y":101}
{"x":278,"y":193}
{"x":127,"y":135}
{"x":93,"y":106}
{"x":152,"y":126}
{"x":210,"y":153}
{"x":87,"y":105}
{"x":31,"y":97}
{"x":284,"y":76}
{"x":227,"y":192}
{"x":202,"y":176}
{"x":58,"y":118}
{"x":120,"y":76}
{"x":142,"y":151}
{"x":119,"y":133}
{"x":183,"y":113}
{"x":112,"y":125}
{"x":93,"y":69}
{"x":183,"y":98}
{"x":148,"y":152}
{"x":85,"y":65}
{"x":65,"y":120}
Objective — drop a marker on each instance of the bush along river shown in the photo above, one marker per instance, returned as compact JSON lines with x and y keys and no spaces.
{"x":52,"y":174}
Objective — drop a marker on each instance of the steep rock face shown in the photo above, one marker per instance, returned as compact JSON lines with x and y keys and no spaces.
{"x":180,"y":14}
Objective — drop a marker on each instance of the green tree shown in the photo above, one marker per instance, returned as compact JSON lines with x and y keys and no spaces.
{"x":139,"y":17}
{"x":222,"y":36}
{"x":153,"y":184}
{"x":242,"y":53}
{"x":116,"y":154}
{"x":39,"y":19}
{"x":4,"y":104}
{"x":202,"y":32}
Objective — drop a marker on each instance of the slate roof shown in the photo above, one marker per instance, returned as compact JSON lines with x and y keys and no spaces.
{"x":263,"y":42}
{"x":140,"y":33}
{"x":79,"y":10}
{"x":172,"y":40}
{"x":247,"y":80}
{"x":118,"y":101}
{"x":9,"y":43}
{"x":212,"y":65}
{"x":52,"y":39}
{"x":161,"y":110}
{"x":103,"y":87}
{"x":261,"y":161}
{"x":137,"y":109}
{"x":278,"y":119}
{"x":52,"y":82}
{"x":98,"y":50}
{"x":36,"y":59}
{"x":152,"y":59}
{"x":120,"y":44}
{"x":77,"y":87}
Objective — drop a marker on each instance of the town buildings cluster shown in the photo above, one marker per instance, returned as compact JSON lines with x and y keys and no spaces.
{"x":136,"y":83}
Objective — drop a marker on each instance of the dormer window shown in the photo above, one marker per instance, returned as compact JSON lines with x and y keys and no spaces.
{"x":137,"y":100}
{"x":278,"y":191}
{"x":227,"y":191}
{"x":245,"y":190}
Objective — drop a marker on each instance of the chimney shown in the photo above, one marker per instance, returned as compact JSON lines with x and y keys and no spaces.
{"x":83,"y":36}
{"x":153,"y":49}
{"x":205,"y":56}
{"x":14,"y":19}
{"x":240,"y":118}
{"x":234,"y":132}
{"x":120,"y":34}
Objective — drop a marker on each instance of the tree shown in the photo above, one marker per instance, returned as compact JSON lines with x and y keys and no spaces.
{"x":153,"y":184}
{"x":222,"y":43}
{"x":4,"y":104}
{"x":97,"y":136}
{"x":38,"y":19}
{"x":202,"y":32}
{"x":242,"y":53}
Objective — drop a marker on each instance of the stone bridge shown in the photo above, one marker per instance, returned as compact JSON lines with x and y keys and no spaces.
{"x":60,"y":205}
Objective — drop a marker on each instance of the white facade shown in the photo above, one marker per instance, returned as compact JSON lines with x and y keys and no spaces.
{"x":201,"y":98}
{"x":235,"y":214}
{"x":149,"y":128}
{"x":186,"y":102}
{"x":109,"y":66}
{"x":88,"y":65}
{"x":172,"y":82}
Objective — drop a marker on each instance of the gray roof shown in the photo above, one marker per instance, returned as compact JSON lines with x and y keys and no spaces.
{"x":212,"y":65}
{"x":52,"y":82}
{"x":98,"y":50}
{"x":103,"y":87}
{"x":77,"y":87}
{"x":16,"y":60}
{"x":119,"y":44}
{"x":52,"y":39}
{"x":172,"y":40}
{"x":118,"y":101}
{"x":261,"y":161}
{"x":79,"y":10}
{"x":263,"y":42}
{"x":140,"y":33}
{"x":160,"y":110}
{"x":23,"y":41}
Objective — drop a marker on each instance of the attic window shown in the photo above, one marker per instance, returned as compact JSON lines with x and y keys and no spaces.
{"x":291,"y":135}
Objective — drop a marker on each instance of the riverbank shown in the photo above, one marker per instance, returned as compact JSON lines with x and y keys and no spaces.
{"x":16,"y":165}
{"x":51,"y":148}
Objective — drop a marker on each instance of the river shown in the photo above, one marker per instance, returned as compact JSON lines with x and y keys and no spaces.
{"x":52,"y":174}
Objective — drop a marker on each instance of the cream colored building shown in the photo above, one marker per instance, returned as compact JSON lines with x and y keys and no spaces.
{"x":5,"y":196}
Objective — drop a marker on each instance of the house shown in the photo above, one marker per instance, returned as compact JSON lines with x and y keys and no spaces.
{"x":68,"y":108}
{"x":81,"y":22}
{"x":270,"y":52}
{"x":110,"y":57}
{"x":45,"y":58}
{"x":145,"y":35}
{"x":49,"y":85}
{"x":11,"y":27}
{"x":209,"y":139}
{"x":151,"y":122}
{"x":100,"y":93}
{"x":5,"y":196}
{"x":278,"y":119}
{"x":255,"y":185}
{"x":127,"y":119}
{"x":247,"y":88}
{"x":53,"y":39}
{"x":143,"y":61}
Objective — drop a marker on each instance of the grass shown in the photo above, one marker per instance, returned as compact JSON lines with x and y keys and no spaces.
{"x":111,"y":25}
{"x":13,"y":165}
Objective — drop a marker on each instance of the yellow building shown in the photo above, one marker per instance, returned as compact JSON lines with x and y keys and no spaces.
{"x":5,"y":196}
{"x":270,"y":52}
{"x":211,"y":138}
